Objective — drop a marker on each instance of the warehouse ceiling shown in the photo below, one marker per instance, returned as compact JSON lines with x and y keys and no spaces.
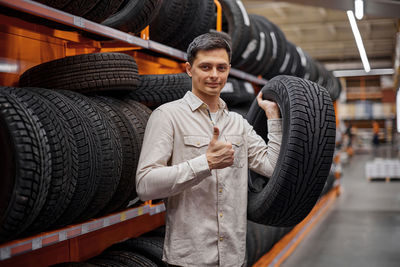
{"x":323,"y":30}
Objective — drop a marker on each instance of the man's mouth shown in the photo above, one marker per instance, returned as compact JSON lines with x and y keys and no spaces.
{"x":212,"y":84}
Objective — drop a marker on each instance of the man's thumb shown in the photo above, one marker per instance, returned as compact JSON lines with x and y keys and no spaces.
{"x":215,"y":134}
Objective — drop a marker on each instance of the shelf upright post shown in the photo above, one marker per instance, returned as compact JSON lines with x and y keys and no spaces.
{"x":363,"y":89}
{"x":145,"y":33}
{"x":219,"y":15}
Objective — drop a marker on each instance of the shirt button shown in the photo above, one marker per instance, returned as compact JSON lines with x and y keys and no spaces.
{"x":221,"y":238}
{"x":220,"y":190}
{"x":220,"y":215}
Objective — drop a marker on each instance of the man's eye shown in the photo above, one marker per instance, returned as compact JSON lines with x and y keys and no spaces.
{"x":222,"y":68}
{"x":205,"y":67}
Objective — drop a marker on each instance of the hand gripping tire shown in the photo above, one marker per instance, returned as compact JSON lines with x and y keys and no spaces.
{"x":305,"y":157}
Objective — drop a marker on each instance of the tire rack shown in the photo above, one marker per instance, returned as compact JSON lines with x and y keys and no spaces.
{"x":85,"y":240}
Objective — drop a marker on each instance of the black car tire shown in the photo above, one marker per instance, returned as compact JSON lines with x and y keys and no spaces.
{"x":108,"y":150}
{"x":305,"y":157}
{"x":63,"y":150}
{"x":84,"y":73}
{"x":25,"y":165}
{"x":134,"y":16}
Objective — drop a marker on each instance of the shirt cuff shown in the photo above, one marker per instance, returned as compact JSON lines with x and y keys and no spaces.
{"x":275,"y":125}
{"x":200,"y":166}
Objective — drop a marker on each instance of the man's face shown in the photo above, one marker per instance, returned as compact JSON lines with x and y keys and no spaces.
{"x":209,"y":72}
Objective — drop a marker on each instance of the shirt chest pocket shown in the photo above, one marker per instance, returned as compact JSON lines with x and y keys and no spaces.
{"x":238,"y":147}
{"x":195,"y":145}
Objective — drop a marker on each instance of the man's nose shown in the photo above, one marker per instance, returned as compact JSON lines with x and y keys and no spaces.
{"x":214,"y":72}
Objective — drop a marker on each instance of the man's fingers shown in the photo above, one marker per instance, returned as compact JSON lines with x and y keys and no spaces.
{"x":259,"y":97}
{"x":215,"y":134}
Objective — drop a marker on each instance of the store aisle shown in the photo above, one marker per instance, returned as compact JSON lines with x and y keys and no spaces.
{"x":362,"y":228}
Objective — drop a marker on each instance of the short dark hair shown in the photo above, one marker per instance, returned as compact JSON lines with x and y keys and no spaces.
{"x":209,"y":41}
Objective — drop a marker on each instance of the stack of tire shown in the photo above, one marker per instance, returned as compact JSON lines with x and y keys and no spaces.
{"x":260,"y":48}
{"x":68,"y":157}
{"x":109,"y":74}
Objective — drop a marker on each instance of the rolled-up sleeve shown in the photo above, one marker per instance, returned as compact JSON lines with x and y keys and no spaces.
{"x":155,"y":178}
{"x":262,"y":157}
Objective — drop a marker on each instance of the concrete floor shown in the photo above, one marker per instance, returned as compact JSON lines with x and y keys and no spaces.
{"x":362,"y":228}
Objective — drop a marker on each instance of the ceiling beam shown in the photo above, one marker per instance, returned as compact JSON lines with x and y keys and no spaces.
{"x":345,"y":24}
{"x":357,"y":64}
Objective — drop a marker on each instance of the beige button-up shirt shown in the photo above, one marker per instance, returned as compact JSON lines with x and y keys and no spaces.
{"x":206,"y":211}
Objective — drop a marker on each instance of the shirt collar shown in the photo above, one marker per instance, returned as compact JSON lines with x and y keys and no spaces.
{"x":194,"y":102}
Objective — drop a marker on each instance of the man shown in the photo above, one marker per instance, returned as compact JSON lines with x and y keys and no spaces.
{"x":196,"y":154}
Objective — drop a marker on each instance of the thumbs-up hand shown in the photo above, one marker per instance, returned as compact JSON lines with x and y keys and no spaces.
{"x":219,"y":154}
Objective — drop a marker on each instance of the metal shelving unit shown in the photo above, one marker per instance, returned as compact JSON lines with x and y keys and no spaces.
{"x":84,"y":240}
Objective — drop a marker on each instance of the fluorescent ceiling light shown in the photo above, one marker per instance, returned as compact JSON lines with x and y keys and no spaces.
{"x":359,"y":41}
{"x":352,"y":73}
{"x":359,"y":9}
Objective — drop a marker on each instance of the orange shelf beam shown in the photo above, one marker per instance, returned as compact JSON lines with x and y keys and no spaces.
{"x":82,"y":241}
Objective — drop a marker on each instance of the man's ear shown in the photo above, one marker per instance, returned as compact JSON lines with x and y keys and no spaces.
{"x":188,"y":69}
